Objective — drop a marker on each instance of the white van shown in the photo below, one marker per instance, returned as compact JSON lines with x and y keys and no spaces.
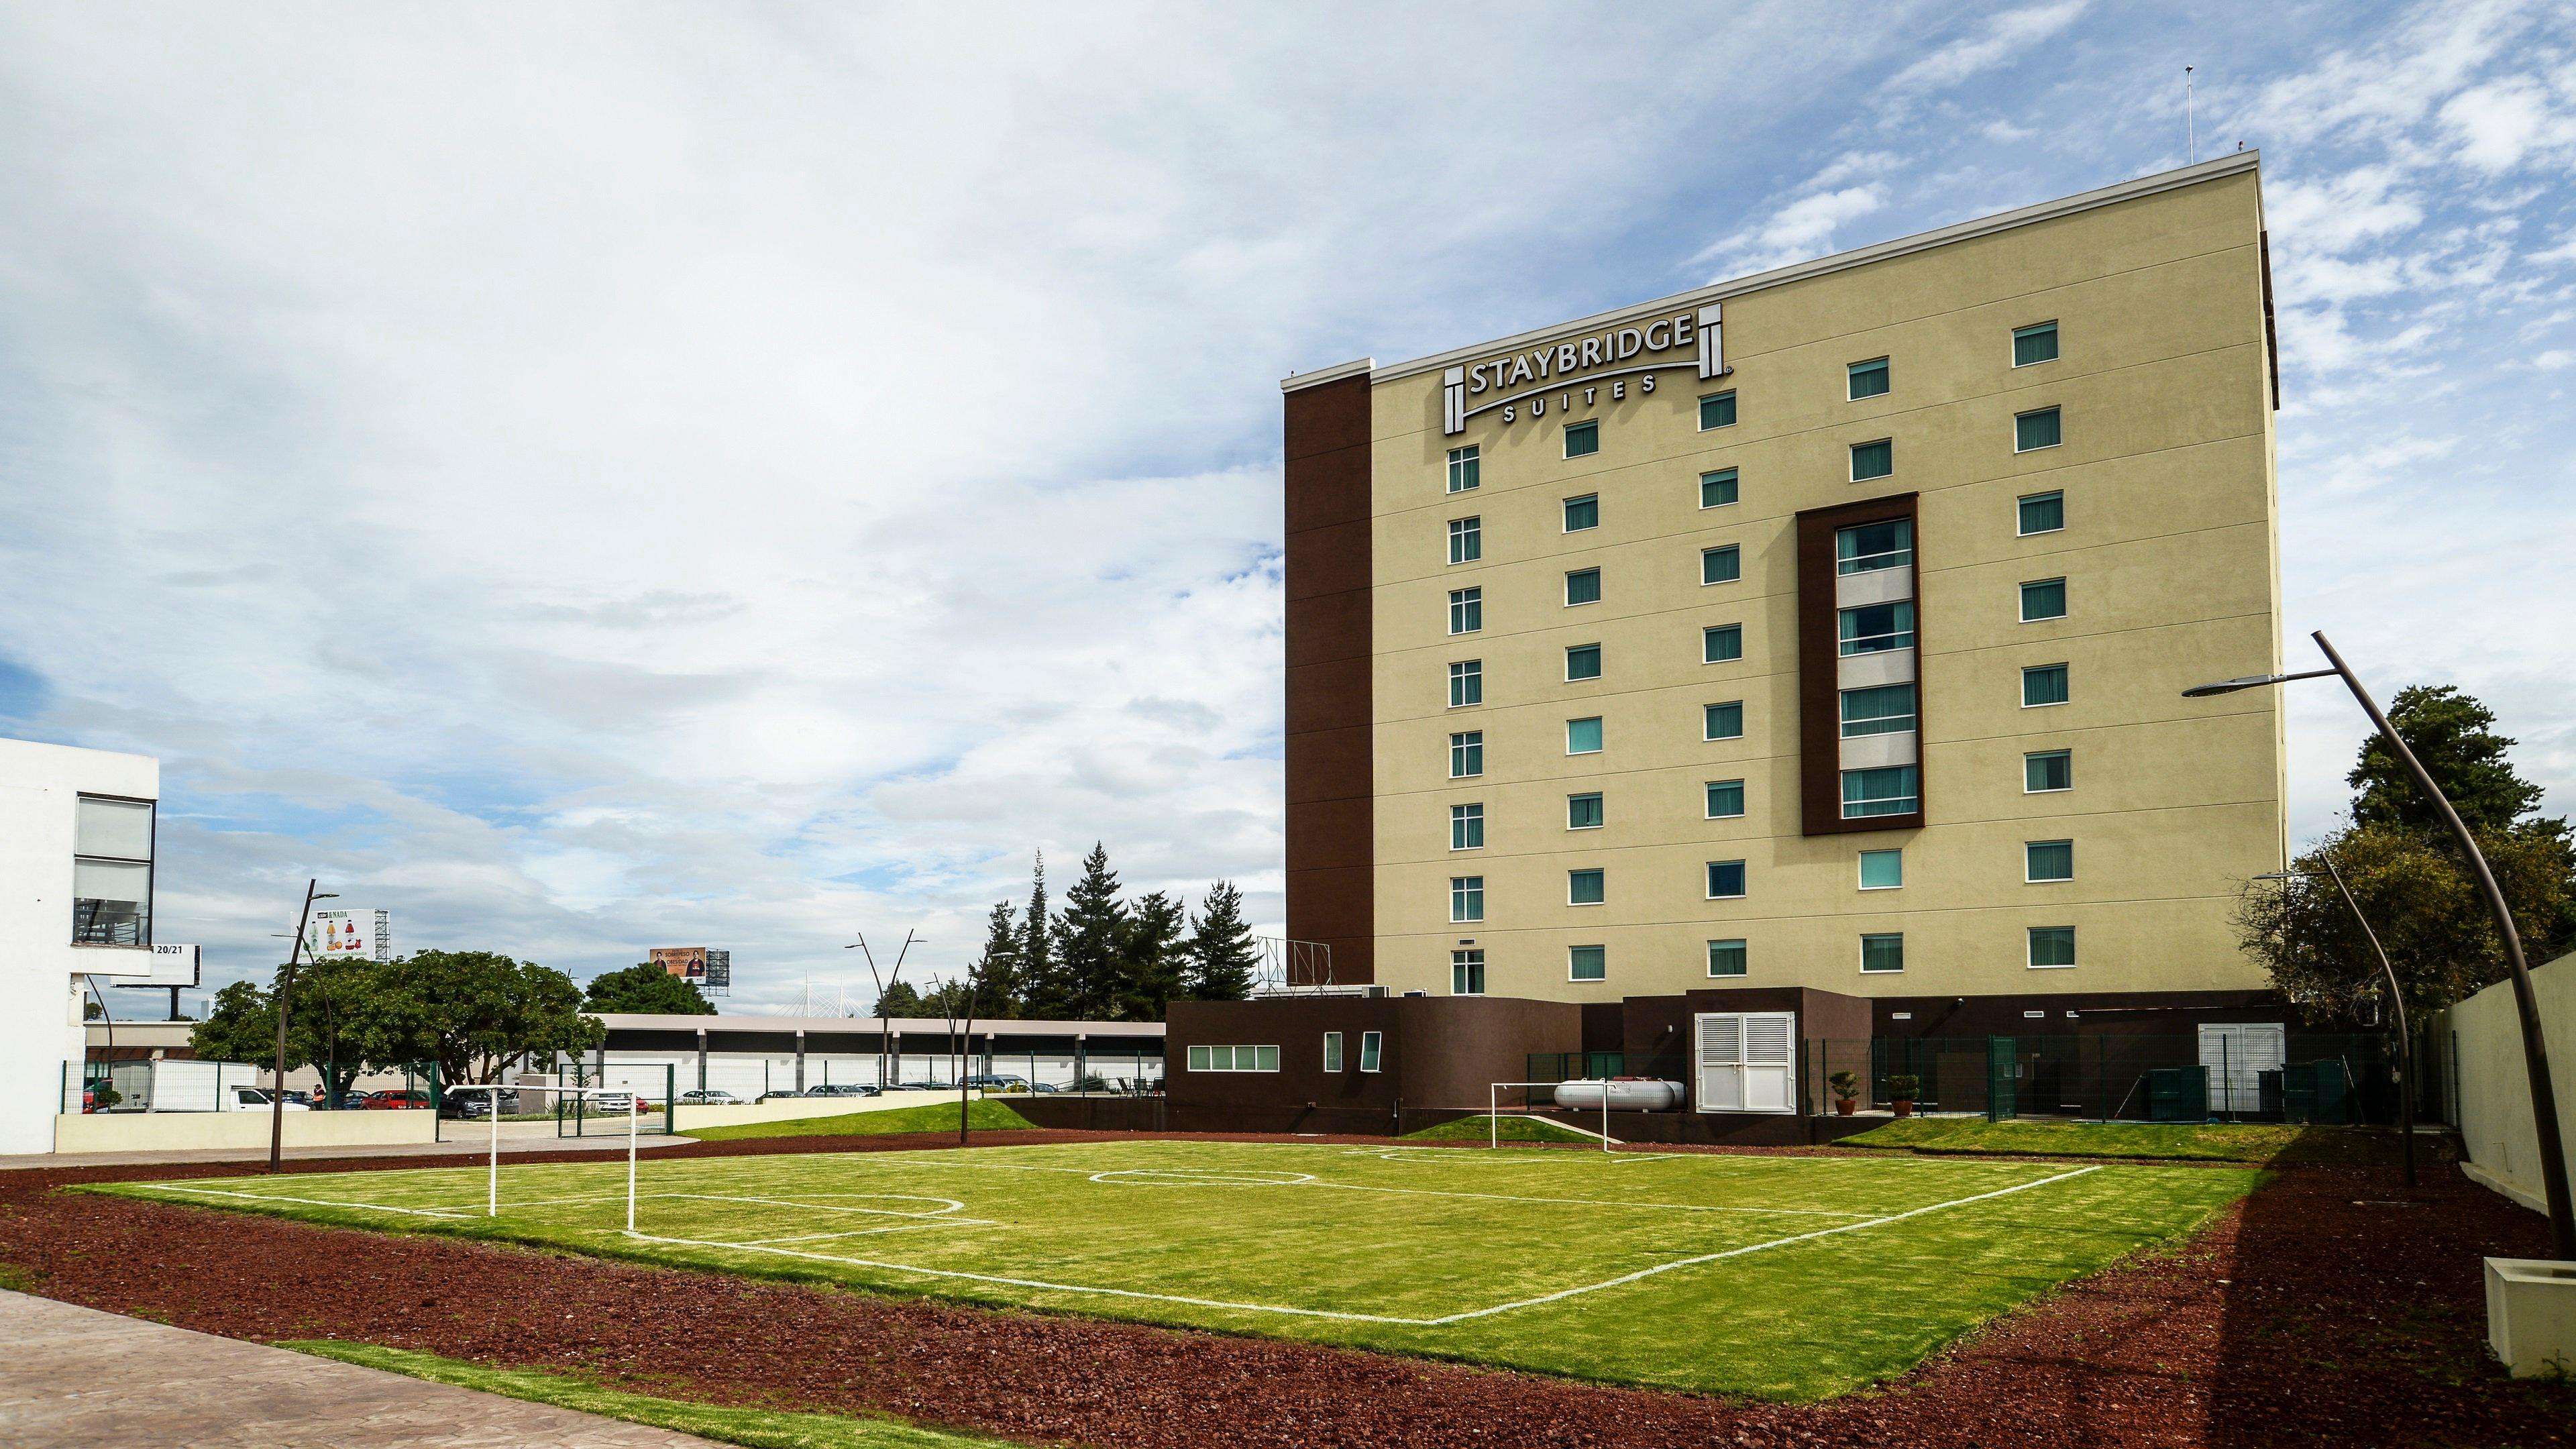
{"x":255,"y":1099}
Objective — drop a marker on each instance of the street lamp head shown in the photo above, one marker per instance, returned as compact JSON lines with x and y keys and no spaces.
{"x":2230,"y":686}
{"x":2277,"y":875}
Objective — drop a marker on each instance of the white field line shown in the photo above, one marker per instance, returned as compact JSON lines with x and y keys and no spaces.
{"x":318,"y":1202}
{"x":1044,"y":1286}
{"x":864,"y":1232}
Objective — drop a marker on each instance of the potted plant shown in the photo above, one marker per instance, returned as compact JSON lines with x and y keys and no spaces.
{"x":1901,"y":1087}
{"x":1846,"y":1087}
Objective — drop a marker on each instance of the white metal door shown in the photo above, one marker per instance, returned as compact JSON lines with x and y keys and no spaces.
{"x":1747,"y":1061}
{"x":2237,"y":1054}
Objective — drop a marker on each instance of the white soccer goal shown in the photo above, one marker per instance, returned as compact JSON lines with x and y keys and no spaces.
{"x":634,"y":1123}
{"x":1494,"y":1115}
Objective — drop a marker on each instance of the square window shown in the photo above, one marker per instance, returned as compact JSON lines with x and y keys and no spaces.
{"x":1466,"y":754}
{"x":1582,"y":586}
{"x":1584,"y":888}
{"x":1587,"y":963}
{"x":1723,"y":721}
{"x":2035,"y":430}
{"x":2052,"y":946}
{"x":1466,"y":540}
{"x":1725,"y":879}
{"x":1332,"y":1051}
{"x":1582,"y":439}
{"x":2036,"y":343}
{"x":1462,"y":469}
{"x":1726,"y":958}
{"x":1583,"y":812}
{"x":1879,"y":709}
{"x":1583,"y":736}
{"x":1721,"y":643}
{"x":1721,"y":565}
{"x":1373,"y":1043}
{"x":1201,"y":1058}
{"x":2046,"y":770}
{"x":1868,"y":379}
{"x":1877,"y":628}
{"x":1873,"y":460}
{"x":1725,"y":799}
{"x":1867,"y":547}
{"x":1883,"y":953}
{"x":2044,"y":599}
{"x":1716,"y":490}
{"x":1467,"y":827}
{"x":1583,"y":661}
{"x":1466,"y":978}
{"x":2043,"y":684}
{"x":1264,"y":1059}
{"x":1466,"y":898}
{"x":2045,"y":860}
{"x":1882,"y":870}
{"x":2042,"y":513}
{"x":1717,"y":410}
{"x":1582,"y":513}
{"x":1466,"y":683}
{"x":1466,"y":610}
{"x":1891,"y":790}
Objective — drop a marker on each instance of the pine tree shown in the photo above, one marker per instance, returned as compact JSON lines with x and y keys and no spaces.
{"x":1089,"y":935}
{"x":1041,"y":985}
{"x":1221,"y":953}
{"x":1155,"y":959}
{"x":900,"y":999}
{"x":997,"y":975}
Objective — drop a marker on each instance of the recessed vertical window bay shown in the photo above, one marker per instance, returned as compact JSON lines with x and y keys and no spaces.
{"x":1887,"y":791}
{"x":1716,"y":490}
{"x":1868,"y":547}
{"x":1463,"y":467}
{"x":1879,"y":709}
{"x":1877,"y":628}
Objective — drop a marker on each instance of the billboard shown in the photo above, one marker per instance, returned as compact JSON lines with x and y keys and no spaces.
{"x":709,"y":970}
{"x":171,"y":966}
{"x":352,"y":936}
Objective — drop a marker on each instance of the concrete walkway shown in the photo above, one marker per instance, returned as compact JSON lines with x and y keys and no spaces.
{"x":74,"y":1376}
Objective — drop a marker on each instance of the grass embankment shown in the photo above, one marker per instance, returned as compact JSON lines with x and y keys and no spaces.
{"x":762,"y":1428}
{"x":986,"y":1115}
{"x":1514,"y":1129}
{"x":2263,"y":1144}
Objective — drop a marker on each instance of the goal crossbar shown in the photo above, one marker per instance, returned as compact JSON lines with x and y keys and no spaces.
{"x":634,"y":1125}
{"x":1494,"y":1115}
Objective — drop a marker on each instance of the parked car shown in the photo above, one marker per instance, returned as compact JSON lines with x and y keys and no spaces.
{"x":255,"y":1099}
{"x":999,"y":1082}
{"x":842,"y":1089}
{"x":394,"y":1099}
{"x":780,"y":1094}
{"x":614,"y":1104}
{"x":474,"y":1106}
{"x":711,"y":1097}
{"x":924,"y":1087}
{"x":352,"y":1101}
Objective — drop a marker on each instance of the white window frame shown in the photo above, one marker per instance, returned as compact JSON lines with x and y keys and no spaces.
{"x":1372,"y":1051}
{"x":1569,"y":964}
{"x":1705,"y":881}
{"x":1567,"y":433}
{"x":1332,"y":1051}
{"x":1706,"y":630}
{"x":1851,"y":460}
{"x":1458,"y":963}
{"x":1563,"y":505}
{"x":2030,"y":755}
{"x":2028,"y":879}
{"x":2065,"y":596}
{"x":1467,"y":454}
{"x":1705,"y":736}
{"x":2050,"y":703}
{"x":1863,"y":952}
{"x":1743,"y":804}
{"x":1702,"y":410}
{"x":1460,"y":600}
{"x":1740,"y":944}
{"x":2035,"y":412}
{"x":1593,"y":795}
{"x":1570,"y":750}
{"x":2030,"y":945}
{"x":1574,"y":603}
{"x":1462,"y":529}
{"x":2057,"y":493}
{"x":1460,"y":671}
{"x":1458,"y":817}
{"x":1862,"y":873}
{"x":1851,"y":374}
{"x":1573,"y":871}
{"x":1736,"y":549}
{"x":1460,"y":743}
{"x":2012,"y":352}
{"x":1460,"y":895}
{"x":1713,"y":472}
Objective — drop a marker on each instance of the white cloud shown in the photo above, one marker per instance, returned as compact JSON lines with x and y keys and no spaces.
{"x":1801,"y":229}
{"x":2499,"y":125}
{"x":2554,"y":359}
{"x":2003,"y":37}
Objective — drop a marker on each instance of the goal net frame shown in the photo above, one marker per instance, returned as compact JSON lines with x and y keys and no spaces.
{"x":634,"y":1127}
{"x":1494,"y":1115}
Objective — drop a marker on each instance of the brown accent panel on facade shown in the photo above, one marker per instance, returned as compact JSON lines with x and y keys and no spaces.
{"x":1436,"y":1052}
{"x":1820,"y":794}
{"x":1332,"y":885}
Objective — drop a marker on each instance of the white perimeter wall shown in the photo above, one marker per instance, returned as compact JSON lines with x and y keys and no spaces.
{"x":2495,"y":1091}
{"x":40,"y":969}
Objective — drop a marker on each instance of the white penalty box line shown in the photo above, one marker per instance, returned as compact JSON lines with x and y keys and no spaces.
{"x":1043,"y":1285}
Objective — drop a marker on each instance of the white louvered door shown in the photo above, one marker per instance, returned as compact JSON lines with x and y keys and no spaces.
{"x":1747,"y":1061}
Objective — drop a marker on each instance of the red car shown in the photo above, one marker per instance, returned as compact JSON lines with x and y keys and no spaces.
{"x":391,"y":1100}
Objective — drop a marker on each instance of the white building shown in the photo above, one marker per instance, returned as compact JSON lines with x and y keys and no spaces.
{"x":76,"y":837}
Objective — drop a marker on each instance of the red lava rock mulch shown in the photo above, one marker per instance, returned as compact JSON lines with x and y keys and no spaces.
{"x":2321,"y":1311}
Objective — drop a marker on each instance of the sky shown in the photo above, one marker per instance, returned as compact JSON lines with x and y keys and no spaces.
{"x":592,"y":477}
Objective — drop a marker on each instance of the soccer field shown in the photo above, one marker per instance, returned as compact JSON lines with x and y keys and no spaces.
{"x":1777,"y":1277}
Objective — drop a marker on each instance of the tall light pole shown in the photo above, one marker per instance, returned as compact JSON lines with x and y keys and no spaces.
{"x":2526,"y":1001}
{"x":2397,"y":998}
{"x":885,"y":1023}
{"x":286,"y":986}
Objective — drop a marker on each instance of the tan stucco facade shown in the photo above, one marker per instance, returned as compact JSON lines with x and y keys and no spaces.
{"x":2169,"y":551}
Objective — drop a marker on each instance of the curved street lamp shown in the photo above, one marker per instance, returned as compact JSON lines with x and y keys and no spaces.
{"x":2396,"y":998}
{"x":2526,"y":1001}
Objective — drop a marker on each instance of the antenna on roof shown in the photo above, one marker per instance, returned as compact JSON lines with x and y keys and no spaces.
{"x":2190,"y":122}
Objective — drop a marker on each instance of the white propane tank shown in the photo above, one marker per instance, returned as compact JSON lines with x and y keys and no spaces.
{"x":1627,"y":1094}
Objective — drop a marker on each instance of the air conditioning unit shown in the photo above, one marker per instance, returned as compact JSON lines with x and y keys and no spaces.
{"x":1379,"y":991}
{"x":1417,"y":993}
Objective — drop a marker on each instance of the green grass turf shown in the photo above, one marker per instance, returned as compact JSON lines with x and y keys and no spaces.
{"x":2262,"y":1143}
{"x":1514,"y":1129}
{"x":761,"y":1428}
{"x":984,"y":1115}
{"x":1778,"y":1277}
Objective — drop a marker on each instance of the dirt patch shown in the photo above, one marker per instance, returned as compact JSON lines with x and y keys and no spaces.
{"x":2325,"y":1310}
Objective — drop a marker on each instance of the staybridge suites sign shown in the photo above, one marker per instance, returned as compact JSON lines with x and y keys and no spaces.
{"x":1527,"y":384}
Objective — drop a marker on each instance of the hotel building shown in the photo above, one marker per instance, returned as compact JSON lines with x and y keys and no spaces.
{"x":1822,"y":629}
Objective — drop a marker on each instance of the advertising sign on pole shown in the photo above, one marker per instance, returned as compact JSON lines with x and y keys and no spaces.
{"x":171,"y":966}
{"x":353,"y":936}
{"x":689,"y":963}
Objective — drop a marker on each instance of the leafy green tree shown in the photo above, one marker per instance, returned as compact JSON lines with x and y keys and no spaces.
{"x":337,"y":1024}
{"x":998,"y":970}
{"x":900,"y":999}
{"x":1222,"y":956}
{"x":645,"y":987}
{"x":2406,"y":874}
{"x":1090,"y":932}
{"x":1153,"y":959}
{"x":479,"y":1014}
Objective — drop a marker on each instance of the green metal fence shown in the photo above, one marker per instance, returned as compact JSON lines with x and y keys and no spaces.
{"x":2111,"y":1076}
